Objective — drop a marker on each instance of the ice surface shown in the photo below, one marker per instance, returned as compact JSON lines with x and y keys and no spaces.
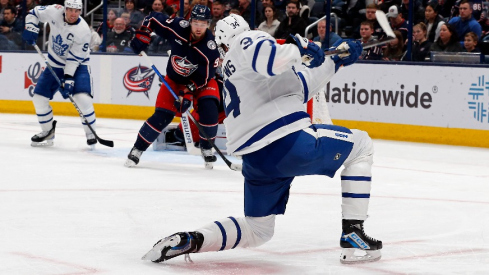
{"x":69,"y":210}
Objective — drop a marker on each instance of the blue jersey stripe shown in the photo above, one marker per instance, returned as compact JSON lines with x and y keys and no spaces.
{"x":356,"y":178}
{"x":271,"y":57}
{"x":355,"y":196}
{"x":54,"y":60}
{"x":283,"y":121}
{"x":224,"y":237}
{"x":77,"y":57}
{"x":238,"y":229}
{"x":304,"y":84}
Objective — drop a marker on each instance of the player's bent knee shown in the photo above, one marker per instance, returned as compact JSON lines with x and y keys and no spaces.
{"x":263,"y":229}
{"x":84,"y":102}
{"x":362,"y":150}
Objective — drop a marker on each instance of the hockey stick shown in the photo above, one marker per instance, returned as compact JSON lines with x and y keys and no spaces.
{"x":232,"y":166}
{"x":384,"y":24}
{"x":108,"y":143}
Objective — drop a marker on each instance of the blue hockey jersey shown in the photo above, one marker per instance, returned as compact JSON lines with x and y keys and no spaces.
{"x":190,"y":61}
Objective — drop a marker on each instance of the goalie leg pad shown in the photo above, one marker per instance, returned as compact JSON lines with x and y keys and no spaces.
{"x":233,"y":232}
{"x":356,"y":178}
{"x":152,"y":128}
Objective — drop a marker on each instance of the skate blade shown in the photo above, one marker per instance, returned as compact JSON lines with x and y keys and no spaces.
{"x":348,"y":256}
{"x":46,"y":143}
{"x":152,"y":255}
{"x":209,"y":165}
{"x":129,"y":163}
{"x":91,"y":147}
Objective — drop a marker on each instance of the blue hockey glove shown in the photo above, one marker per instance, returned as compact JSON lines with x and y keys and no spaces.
{"x":141,"y":40}
{"x":30,"y":34}
{"x":186,"y":100}
{"x":312,"y":55}
{"x":67,"y":88}
{"x":354,"y":48}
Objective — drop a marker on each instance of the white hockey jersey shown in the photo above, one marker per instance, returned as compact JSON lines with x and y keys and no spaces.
{"x":265,"y":88}
{"x":69,"y":44}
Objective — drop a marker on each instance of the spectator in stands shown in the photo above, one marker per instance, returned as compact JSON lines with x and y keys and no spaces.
{"x":186,"y":10}
{"x":217,"y":14}
{"x":136,"y":17}
{"x":293,"y":24}
{"x":394,"y":49}
{"x":111,"y":16}
{"x":366,"y":33}
{"x":448,"y":40}
{"x":470,"y":43}
{"x":118,"y":39}
{"x":433,"y":21}
{"x":245,"y":11}
{"x":157,"y":6}
{"x":7,"y":45}
{"x":476,"y":6}
{"x":465,"y":22}
{"x":333,"y":37}
{"x":371,"y":17}
{"x":421,"y":44}
{"x":418,"y":15}
{"x":271,"y":23}
{"x":127,"y":20}
{"x":278,"y":13}
{"x":397,"y":22}
{"x":3,"y":5}
{"x":11,"y":27}
{"x":445,"y":8}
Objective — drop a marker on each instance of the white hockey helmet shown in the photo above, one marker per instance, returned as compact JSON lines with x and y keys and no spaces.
{"x":74,"y":4}
{"x":228,"y":28}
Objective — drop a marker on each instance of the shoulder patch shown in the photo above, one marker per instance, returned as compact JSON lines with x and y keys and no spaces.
{"x":211,"y":44}
{"x":183,"y":23}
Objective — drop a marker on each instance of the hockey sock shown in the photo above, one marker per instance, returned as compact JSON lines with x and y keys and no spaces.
{"x":152,"y":128}
{"x":233,"y":232}
{"x":44,"y":112}
{"x":356,"y":178}
{"x":84,"y":102}
{"x":208,"y":115}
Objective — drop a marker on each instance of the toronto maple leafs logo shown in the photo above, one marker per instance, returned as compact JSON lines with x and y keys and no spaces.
{"x":182,"y":66}
{"x":139,"y":79}
{"x":58,"y":47}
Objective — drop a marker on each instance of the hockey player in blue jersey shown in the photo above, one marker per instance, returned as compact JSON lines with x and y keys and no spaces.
{"x":68,"y":54}
{"x":190,"y":71}
{"x":266,"y":87}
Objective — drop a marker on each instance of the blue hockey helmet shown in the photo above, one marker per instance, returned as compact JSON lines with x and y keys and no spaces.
{"x":200,"y":12}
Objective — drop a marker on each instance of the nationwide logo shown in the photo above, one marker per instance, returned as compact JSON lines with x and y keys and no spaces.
{"x":139,"y":80}
{"x":182,"y":66}
{"x":31,"y":77}
{"x":479,"y":99}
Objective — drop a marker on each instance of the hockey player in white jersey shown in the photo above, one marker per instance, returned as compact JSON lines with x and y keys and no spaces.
{"x":68,"y":54}
{"x":265,"y":89}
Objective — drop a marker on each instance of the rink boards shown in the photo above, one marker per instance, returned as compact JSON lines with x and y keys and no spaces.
{"x":446,"y":105}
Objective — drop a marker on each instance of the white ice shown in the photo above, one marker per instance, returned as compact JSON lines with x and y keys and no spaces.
{"x":68,"y":210}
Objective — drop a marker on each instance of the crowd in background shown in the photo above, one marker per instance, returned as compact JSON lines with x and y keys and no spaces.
{"x":438,"y":25}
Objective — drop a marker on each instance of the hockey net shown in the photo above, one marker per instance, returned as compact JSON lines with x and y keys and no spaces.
{"x":317,"y":108}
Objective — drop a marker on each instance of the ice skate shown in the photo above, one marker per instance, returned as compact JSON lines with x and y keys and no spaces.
{"x":44,"y":138}
{"x":133,"y":157}
{"x":175,"y":245}
{"x":91,"y":140}
{"x":208,"y":157}
{"x":353,"y":239}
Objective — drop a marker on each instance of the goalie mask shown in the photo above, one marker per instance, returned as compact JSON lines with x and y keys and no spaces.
{"x":74,"y":4}
{"x":228,"y":28}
